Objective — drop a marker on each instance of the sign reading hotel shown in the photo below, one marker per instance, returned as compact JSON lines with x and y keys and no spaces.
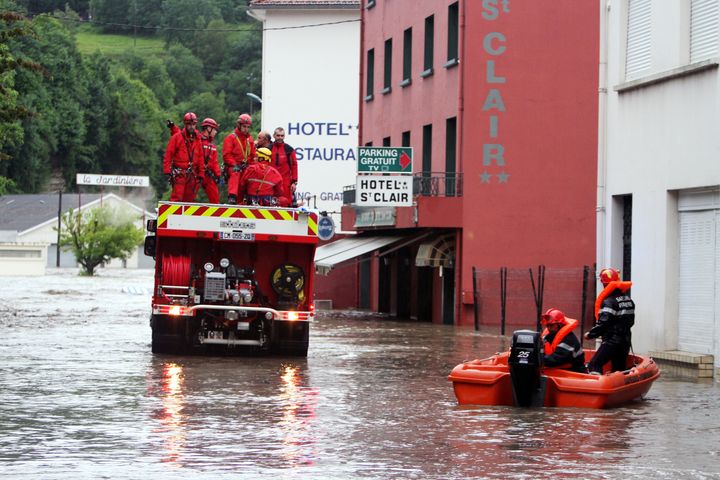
{"x":112,"y":180}
{"x":384,"y":190}
{"x":385,"y":159}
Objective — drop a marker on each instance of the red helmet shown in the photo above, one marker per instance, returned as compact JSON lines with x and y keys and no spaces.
{"x":608,"y":275}
{"x":190,"y":117}
{"x":209,"y":122}
{"x":245,"y":119}
{"x":553,"y":316}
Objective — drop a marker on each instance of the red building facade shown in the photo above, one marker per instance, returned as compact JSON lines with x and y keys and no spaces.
{"x":499,"y":101}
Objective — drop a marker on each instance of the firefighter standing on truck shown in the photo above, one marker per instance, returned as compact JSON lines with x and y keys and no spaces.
{"x":285,"y":161}
{"x":211,"y":167}
{"x":238,"y":153}
{"x":181,"y":163}
{"x":261,"y":183}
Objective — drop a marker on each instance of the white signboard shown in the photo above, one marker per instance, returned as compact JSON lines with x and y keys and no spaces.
{"x":384,"y":190}
{"x":112,"y":180}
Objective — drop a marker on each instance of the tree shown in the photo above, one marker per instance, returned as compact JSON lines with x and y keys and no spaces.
{"x":186,"y":70}
{"x":99,"y":235}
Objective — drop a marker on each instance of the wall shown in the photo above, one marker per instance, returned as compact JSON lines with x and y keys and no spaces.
{"x":23,"y":259}
{"x":529,"y":135}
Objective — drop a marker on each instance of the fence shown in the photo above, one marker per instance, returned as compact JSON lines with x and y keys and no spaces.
{"x":517,"y":297}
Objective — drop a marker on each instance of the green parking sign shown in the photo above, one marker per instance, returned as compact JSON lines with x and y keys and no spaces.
{"x":384,"y":159}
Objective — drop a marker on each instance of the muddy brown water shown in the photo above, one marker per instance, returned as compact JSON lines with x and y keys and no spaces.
{"x":82,"y":396}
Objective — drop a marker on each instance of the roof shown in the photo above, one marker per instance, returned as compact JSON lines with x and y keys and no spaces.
{"x":304,"y":4}
{"x":24,"y":212}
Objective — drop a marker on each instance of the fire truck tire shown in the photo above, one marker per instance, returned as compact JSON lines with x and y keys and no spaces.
{"x":168,"y":335}
{"x":291,"y":338}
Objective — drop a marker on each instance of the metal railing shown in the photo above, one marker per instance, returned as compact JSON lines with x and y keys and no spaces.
{"x":425,"y":184}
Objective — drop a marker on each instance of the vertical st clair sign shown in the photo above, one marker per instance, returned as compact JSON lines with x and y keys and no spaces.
{"x":494,"y":45}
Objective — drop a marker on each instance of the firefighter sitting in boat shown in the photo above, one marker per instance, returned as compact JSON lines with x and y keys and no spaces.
{"x":562,"y":347}
{"x":261,"y":183}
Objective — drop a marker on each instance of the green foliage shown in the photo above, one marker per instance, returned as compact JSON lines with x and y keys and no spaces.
{"x":98,"y":235}
{"x":7,"y":186}
{"x":35,"y":7}
{"x":186,"y":71}
{"x":178,"y":16}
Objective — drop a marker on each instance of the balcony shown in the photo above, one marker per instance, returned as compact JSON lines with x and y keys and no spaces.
{"x":437,"y":203}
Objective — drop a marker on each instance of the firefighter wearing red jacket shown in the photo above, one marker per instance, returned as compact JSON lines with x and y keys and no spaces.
{"x":285,"y":161}
{"x":238,"y":153}
{"x":261,"y":183}
{"x":182,"y":161}
{"x":210,"y":166}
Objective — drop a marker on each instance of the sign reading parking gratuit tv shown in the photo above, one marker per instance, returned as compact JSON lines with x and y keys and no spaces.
{"x":384,"y":190}
{"x":384,"y":159}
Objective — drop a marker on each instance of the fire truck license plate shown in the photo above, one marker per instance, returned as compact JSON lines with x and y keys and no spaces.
{"x":245,"y":237}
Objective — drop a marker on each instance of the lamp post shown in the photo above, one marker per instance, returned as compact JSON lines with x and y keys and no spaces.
{"x":254,"y":97}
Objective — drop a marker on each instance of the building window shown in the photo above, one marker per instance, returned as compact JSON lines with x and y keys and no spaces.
{"x":427,"y":150}
{"x":388,"y":67}
{"x":386,"y":142}
{"x":406,"y":139}
{"x":450,"y":155}
{"x":429,"y":46}
{"x":703,"y":30}
{"x":369,"y":85}
{"x":627,"y":237}
{"x":452,"y":47}
{"x":407,"y":57}
{"x":368,"y":144}
{"x":638,"y":54}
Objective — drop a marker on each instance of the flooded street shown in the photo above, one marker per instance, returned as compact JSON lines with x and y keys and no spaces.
{"x":82,"y":396}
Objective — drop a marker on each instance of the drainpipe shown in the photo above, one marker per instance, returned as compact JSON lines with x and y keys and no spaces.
{"x":601,"y":214}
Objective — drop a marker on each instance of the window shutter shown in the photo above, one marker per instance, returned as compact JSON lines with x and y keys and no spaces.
{"x":703,"y":29}
{"x":638,"y":54}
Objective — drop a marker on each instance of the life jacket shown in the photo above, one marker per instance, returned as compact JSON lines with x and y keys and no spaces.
{"x":570,"y":325}
{"x":609,"y":288}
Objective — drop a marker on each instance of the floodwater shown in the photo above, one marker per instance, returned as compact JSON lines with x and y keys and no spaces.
{"x":82,"y":396}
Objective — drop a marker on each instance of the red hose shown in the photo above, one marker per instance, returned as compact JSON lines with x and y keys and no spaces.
{"x":176,"y":270}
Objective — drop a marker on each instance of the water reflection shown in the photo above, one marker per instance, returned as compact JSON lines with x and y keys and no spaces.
{"x":298,"y":413}
{"x":170,"y":412}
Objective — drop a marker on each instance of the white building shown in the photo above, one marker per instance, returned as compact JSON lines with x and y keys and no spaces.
{"x":310,"y":78}
{"x":659,"y":167}
{"x":29,"y":236}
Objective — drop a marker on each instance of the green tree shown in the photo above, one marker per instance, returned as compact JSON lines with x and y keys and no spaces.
{"x":186,"y":71}
{"x":99,"y":235}
{"x":181,"y":17}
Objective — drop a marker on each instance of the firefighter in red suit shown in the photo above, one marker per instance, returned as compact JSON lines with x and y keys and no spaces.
{"x":261,"y":183}
{"x":210,"y":166}
{"x":182,"y":161}
{"x":285,"y":161}
{"x":238,"y":153}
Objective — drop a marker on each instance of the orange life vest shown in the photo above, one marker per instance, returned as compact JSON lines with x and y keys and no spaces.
{"x":623,"y":286}
{"x":570,"y":324}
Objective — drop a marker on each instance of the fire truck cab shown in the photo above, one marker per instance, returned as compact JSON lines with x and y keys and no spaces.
{"x":232,"y":278}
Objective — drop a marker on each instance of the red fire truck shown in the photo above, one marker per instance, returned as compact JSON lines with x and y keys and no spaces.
{"x":232,"y":278}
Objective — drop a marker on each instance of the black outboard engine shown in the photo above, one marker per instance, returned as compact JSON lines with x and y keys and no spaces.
{"x":525,"y":362}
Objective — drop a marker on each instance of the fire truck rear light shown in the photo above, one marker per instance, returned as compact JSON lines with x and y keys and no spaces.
{"x":175,"y":310}
{"x":292,"y":315}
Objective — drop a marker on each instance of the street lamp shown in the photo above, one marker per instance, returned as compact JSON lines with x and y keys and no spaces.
{"x":254,"y":97}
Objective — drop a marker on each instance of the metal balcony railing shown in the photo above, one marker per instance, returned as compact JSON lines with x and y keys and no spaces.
{"x":425,"y":184}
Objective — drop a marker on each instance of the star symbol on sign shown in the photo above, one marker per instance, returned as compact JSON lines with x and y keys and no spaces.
{"x":485,"y":177}
{"x":503,"y":177}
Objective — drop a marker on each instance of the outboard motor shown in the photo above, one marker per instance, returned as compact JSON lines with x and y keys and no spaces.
{"x":525,"y":362}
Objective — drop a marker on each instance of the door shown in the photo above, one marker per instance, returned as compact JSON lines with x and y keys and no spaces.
{"x":425,"y":294}
{"x":697,"y":297}
{"x":403,"y":283}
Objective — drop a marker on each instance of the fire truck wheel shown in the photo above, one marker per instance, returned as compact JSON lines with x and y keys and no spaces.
{"x":168,"y":334}
{"x":291,"y":338}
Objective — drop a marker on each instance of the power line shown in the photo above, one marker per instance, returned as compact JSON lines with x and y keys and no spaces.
{"x":129,"y":25}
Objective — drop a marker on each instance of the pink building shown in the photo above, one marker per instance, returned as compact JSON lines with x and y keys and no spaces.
{"x":498,"y":100}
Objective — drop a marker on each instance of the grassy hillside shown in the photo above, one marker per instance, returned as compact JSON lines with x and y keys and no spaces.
{"x":90,"y":40}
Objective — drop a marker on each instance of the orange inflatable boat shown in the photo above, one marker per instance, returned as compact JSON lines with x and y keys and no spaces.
{"x":518,"y":378}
